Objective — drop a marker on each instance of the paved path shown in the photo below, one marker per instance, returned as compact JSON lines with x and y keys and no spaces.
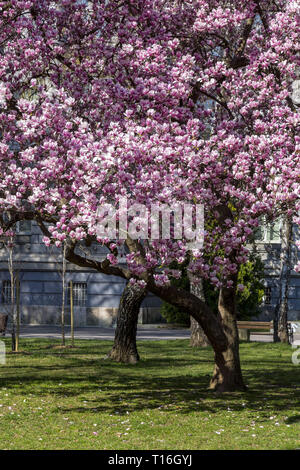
{"x":144,"y":333}
{"x":153,"y":333}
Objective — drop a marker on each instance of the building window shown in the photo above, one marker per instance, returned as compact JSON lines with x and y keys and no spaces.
{"x":6,"y":292}
{"x":23,"y":227}
{"x":268,"y":295}
{"x":269,"y":233}
{"x":79,"y":294}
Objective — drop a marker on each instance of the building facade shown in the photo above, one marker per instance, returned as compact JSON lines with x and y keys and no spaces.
{"x":96,"y":296}
{"x":268,"y":248}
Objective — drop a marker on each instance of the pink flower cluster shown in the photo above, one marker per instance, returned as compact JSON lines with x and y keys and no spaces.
{"x":157,"y":101}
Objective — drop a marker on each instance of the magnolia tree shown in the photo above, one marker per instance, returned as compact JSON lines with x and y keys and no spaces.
{"x":113,"y":111}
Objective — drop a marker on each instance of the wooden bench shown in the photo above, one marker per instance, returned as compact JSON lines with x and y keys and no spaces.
{"x":244,"y":328}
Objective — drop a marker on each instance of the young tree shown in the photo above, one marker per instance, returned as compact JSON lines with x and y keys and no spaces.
{"x":8,"y":240}
{"x":131,"y":89}
{"x":281,"y":310}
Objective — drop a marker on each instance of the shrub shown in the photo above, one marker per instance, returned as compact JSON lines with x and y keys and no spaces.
{"x":251,"y":275}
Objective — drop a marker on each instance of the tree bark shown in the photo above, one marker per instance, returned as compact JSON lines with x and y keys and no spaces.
{"x":12,"y":295}
{"x":198,"y":337}
{"x":227,"y":375}
{"x":281,"y":311}
{"x":3,"y":323}
{"x":124,"y":348}
{"x":63,"y":303}
{"x":276,"y":338}
{"x":17,"y":312}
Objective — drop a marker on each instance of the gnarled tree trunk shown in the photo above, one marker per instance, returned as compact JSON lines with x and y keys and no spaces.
{"x":227,"y":375}
{"x":220,"y":329}
{"x":124,"y":348}
{"x":198,"y":337}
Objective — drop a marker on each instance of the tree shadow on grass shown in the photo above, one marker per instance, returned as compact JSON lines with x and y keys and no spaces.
{"x":187,"y":394}
{"x":157,"y":383}
{"x":170,"y":377}
{"x":293,"y":419}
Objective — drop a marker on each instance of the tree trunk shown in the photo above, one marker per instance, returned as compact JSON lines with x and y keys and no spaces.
{"x":72,"y":313}
{"x":227,"y":375}
{"x":282,"y":322}
{"x":63,"y":303}
{"x":281,"y":312}
{"x":124,"y":348}
{"x":276,"y":338}
{"x":17,"y":311}
{"x":12,"y":296}
{"x":198,"y":337}
{"x":3,"y":323}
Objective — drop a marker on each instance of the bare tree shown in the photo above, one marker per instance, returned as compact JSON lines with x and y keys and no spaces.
{"x":13,"y":303}
{"x":281,"y":310}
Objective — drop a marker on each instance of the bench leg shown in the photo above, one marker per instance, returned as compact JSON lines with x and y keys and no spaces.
{"x":244,"y":335}
{"x":291,"y":334}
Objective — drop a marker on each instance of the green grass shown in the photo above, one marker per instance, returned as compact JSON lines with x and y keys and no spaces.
{"x":74,"y":399}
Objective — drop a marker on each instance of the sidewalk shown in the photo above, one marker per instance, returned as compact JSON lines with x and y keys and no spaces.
{"x":145,"y":332}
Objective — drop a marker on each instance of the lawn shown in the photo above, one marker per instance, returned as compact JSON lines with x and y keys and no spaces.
{"x":74,"y":399}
